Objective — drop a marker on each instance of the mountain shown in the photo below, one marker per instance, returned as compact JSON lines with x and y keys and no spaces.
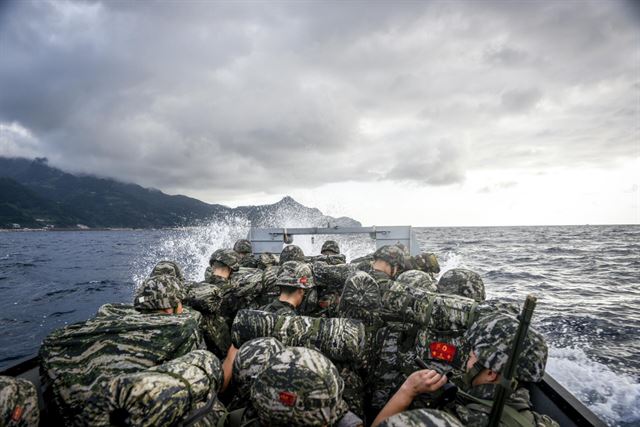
{"x":35,"y":195}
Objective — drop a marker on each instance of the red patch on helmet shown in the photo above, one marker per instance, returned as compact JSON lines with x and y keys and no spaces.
{"x":287,"y":398}
{"x":442,"y":351}
{"x":17,"y":413}
{"x":303,"y":280}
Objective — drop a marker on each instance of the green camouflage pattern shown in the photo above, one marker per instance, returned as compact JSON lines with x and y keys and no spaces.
{"x":269,"y":289}
{"x":330,"y":246}
{"x":280,"y":307}
{"x":393,"y":354}
{"x":491,"y":338}
{"x":165,"y":394}
{"x":418,"y":279}
{"x":251,"y":359}
{"x":243,"y":246}
{"x":79,"y":360}
{"x":242,"y":291}
{"x":291,"y":253}
{"x":426,"y":261}
{"x":296,"y":275}
{"x":422,"y":418}
{"x":267,"y":259}
{"x":299,"y":387}
{"x":353,"y":392}
{"x":249,"y":261}
{"x":392,"y":254}
{"x":159,"y":293}
{"x":332,"y":277}
{"x":170,"y":268}
{"x":474,"y":414}
{"x":361,"y":299}
{"x":204,"y":297}
{"x":329,"y":259}
{"x":18,"y":403}
{"x":227,"y":257}
{"x":339,"y":339}
{"x":426,"y":336}
{"x":463,"y":282}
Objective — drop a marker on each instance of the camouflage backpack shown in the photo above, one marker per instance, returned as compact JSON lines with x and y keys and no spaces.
{"x":166,"y":394}
{"x":299,"y":387}
{"x":18,"y":403}
{"x":339,"y":339}
{"x":79,"y":360}
{"x":460,"y":281}
{"x":418,"y":279}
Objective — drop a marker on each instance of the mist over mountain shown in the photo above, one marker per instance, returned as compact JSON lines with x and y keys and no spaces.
{"x":35,"y":195}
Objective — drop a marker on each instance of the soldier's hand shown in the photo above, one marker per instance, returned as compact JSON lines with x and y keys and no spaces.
{"x":423,"y":381}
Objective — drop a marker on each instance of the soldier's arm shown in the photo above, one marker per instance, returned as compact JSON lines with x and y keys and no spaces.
{"x":423,"y":381}
{"x":227,"y":366}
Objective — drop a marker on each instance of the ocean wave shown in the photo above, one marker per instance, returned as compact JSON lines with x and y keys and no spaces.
{"x":613,"y":397}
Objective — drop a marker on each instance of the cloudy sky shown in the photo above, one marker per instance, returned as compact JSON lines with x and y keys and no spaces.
{"x":423,"y":113}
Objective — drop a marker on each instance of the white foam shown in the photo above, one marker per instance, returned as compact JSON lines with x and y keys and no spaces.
{"x":448,"y":261}
{"x":614,"y":398}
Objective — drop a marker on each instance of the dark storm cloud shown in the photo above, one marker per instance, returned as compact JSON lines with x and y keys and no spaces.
{"x":257,"y":96}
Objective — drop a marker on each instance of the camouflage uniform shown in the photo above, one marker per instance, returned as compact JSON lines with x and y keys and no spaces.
{"x":422,"y":418}
{"x":300,"y":387}
{"x":460,"y":281}
{"x":329,"y":259}
{"x":18,"y":403}
{"x":166,"y":394}
{"x":392,"y":254}
{"x":207,"y":299}
{"x":491,"y":339}
{"x":330,"y":280}
{"x":280,"y":307}
{"x":267,"y":259}
{"x":426,"y":262}
{"x":79,"y":360}
{"x":291,"y":253}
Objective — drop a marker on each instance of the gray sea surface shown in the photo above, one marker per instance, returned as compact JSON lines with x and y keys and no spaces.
{"x":586,"y":278}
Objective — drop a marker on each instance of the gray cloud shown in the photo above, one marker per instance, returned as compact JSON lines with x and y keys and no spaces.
{"x":257,"y":97}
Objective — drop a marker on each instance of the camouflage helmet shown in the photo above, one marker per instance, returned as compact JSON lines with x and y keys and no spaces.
{"x":491,"y":338}
{"x":158,"y":293}
{"x":251,"y":359}
{"x":243,"y":246}
{"x":167,"y":267}
{"x":267,"y":259}
{"x":227,"y":257}
{"x":391,"y":254}
{"x":428,"y":262}
{"x":403,"y":248}
{"x":291,"y":253}
{"x":422,"y":417}
{"x":417,"y":279}
{"x":330,"y":246}
{"x":299,"y":387}
{"x":465,"y":283}
{"x":296,"y":275}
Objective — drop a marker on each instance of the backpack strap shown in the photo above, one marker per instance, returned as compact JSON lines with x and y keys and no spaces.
{"x":510,"y":416}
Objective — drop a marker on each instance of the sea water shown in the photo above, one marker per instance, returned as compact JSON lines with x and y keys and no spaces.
{"x":586,"y":278}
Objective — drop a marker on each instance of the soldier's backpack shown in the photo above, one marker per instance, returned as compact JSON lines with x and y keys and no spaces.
{"x":18,"y":403}
{"x":243,"y":290}
{"x":338,"y":339}
{"x":179,"y":390}
{"x":79,"y":360}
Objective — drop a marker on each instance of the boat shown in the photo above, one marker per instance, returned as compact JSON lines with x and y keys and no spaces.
{"x":547,"y":396}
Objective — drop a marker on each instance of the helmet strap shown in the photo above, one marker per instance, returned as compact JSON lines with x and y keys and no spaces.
{"x":471,"y":374}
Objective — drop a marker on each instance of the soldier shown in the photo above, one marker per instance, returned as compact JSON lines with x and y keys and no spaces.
{"x":459,"y":281}
{"x":388,"y":262}
{"x":79,"y":360}
{"x":301,"y":387}
{"x":418,"y":279}
{"x":167,"y":267}
{"x":223,"y":263}
{"x":294,"y":279}
{"x":490,"y":340}
{"x":18,"y":403}
{"x":245,"y":254}
{"x":330,"y":247}
{"x":291,"y":253}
